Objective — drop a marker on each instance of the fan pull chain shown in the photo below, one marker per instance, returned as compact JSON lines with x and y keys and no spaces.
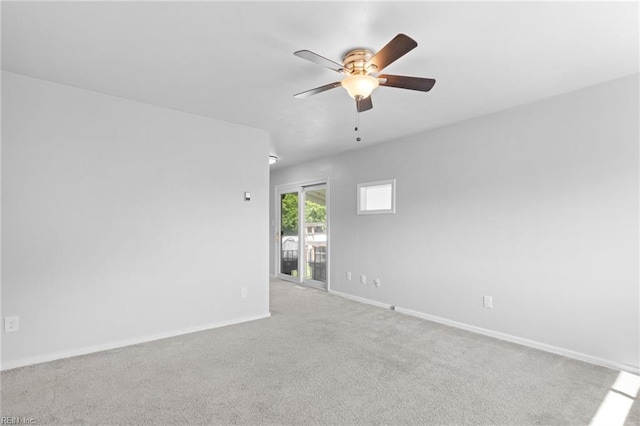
{"x":357,"y":128}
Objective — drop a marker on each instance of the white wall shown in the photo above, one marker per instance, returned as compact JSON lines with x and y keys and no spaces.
{"x":124,"y":222}
{"x":536,"y":206}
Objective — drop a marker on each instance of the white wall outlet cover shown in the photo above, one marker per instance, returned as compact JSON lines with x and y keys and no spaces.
{"x":11,"y":324}
{"x":363,"y":279}
{"x":377,"y":282}
{"x":487,"y":302}
{"x":348,"y":275}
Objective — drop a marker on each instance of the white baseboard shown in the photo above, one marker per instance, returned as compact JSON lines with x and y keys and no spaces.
{"x":498,"y":335}
{"x":122,"y":343}
{"x":360,"y":299}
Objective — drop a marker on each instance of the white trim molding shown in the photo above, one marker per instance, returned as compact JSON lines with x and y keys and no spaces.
{"x":362,"y":196}
{"x":360,"y":299}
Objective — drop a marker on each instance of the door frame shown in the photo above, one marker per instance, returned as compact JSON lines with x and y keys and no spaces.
{"x":299,"y":187}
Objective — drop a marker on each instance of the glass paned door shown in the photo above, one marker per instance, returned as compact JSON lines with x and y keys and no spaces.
{"x":289,"y":234}
{"x":302,"y":237}
{"x":314,"y":234}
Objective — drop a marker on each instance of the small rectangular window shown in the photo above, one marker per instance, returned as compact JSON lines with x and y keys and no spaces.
{"x":377,"y":197}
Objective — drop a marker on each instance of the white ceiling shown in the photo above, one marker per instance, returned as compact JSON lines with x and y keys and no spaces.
{"x":234,"y":60}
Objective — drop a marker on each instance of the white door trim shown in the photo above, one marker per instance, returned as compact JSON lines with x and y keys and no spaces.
{"x":299,"y":187}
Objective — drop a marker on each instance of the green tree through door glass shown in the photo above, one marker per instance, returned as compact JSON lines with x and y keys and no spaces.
{"x":289,"y":238}
{"x":314,"y":213}
{"x":289,"y":214}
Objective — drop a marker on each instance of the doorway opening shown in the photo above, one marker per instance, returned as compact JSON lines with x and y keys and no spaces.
{"x":304,"y":237}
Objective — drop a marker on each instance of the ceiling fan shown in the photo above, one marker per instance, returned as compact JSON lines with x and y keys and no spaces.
{"x":361,"y":67}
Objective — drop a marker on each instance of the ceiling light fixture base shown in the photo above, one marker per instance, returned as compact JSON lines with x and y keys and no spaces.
{"x":354,"y":60}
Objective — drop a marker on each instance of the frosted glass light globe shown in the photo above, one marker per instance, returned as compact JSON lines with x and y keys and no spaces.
{"x":359,"y":85}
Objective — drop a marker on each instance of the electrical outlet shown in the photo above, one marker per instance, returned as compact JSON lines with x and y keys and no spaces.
{"x":11,"y":324}
{"x":363,"y":279}
{"x":377,"y":282}
{"x":488,"y":302}
{"x":243,"y":292}
{"x":348,"y":276}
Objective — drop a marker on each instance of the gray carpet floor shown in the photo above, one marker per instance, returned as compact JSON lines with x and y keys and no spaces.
{"x":320,"y":359}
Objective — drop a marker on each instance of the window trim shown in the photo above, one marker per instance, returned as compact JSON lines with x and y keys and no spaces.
{"x":364,"y":185}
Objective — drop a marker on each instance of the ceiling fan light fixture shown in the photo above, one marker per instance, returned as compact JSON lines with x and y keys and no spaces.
{"x":361,"y":67}
{"x":359,"y":85}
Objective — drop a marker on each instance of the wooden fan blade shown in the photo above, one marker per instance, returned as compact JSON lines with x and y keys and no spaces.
{"x":396,"y":48}
{"x":317,"y":90}
{"x":320,"y":60}
{"x":364,"y":104}
{"x":404,"y":82}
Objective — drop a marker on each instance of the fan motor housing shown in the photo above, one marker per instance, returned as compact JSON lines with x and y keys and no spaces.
{"x":354,"y":61}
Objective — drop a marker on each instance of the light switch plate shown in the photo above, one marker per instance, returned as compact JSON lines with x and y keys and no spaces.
{"x":488,"y":302}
